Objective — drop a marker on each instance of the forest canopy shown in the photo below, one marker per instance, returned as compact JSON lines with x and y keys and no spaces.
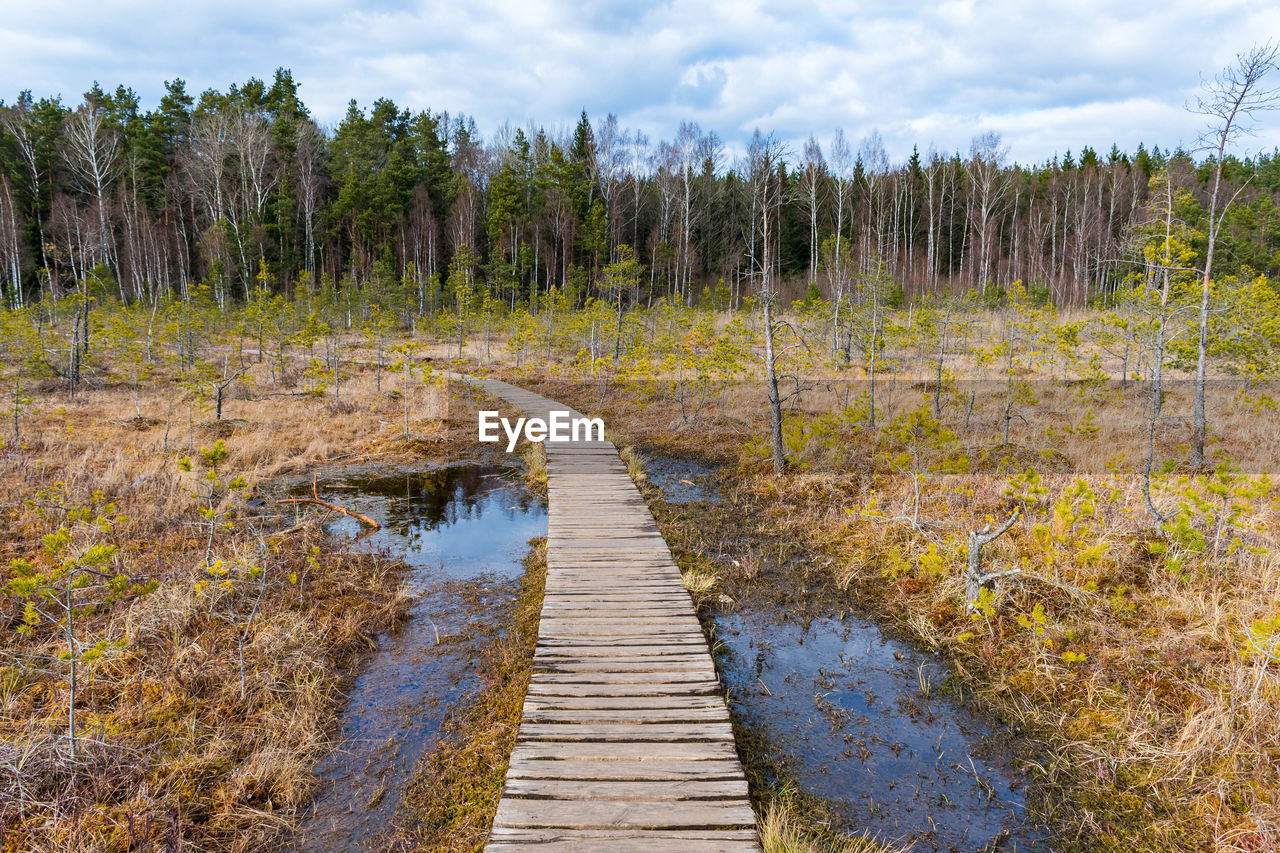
{"x":243,"y":189}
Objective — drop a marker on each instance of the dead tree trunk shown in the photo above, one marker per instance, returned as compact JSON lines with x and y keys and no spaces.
{"x":975,"y":580}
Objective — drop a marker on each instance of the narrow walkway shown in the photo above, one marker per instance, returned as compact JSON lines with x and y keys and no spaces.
{"x":626,"y":743}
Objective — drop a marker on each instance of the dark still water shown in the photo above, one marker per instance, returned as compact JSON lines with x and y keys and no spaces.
{"x":464,"y":530}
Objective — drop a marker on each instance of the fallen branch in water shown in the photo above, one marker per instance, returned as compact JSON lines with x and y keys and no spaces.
{"x":315,"y":499}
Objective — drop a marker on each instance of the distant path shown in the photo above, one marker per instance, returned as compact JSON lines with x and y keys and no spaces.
{"x":625,"y":744}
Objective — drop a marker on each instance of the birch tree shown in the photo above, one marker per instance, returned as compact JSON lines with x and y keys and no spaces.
{"x":841,"y":197}
{"x":92,"y":154}
{"x":811,"y":186}
{"x":21,"y":123}
{"x":1231,"y":101}
{"x":763,"y":157}
{"x":986,"y":166}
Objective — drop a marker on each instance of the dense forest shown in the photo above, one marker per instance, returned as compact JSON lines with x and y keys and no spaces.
{"x":242,"y":189}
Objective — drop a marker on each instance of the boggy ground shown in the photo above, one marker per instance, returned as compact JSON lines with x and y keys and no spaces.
{"x":850,"y":738}
{"x":1138,"y":664}
{"x":187,"y":566}
{"x":452,"y":801}
{"x":464,"y":530}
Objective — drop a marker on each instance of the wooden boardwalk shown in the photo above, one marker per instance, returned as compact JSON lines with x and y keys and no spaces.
{"x":625,"y":744}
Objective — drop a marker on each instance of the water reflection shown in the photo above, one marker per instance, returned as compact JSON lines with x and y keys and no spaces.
{"x":465,"y":530}
{"x":859,"y":719}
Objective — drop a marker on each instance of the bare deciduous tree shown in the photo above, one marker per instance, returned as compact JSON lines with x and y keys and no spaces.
{"x":811,"y":184}
{"x":986,"y":167}
{"x":763,"y":157}
{"x":842,"y":192}
{"x":308,"y":156}
{"x":10,"y":255}
{"x":92,"y":153}
{"x":875,"y":175}
{"x":15,"y":120}
{"x":1230,"y":102}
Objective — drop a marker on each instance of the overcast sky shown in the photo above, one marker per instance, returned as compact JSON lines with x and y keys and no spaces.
{"x":1048,"y":76}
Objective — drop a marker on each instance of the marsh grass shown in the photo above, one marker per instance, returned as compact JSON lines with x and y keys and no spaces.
{"x":784,"y":828}
{"x":1138,"y":664}
{"x":173,"y":754}
{"x":534,"y":455}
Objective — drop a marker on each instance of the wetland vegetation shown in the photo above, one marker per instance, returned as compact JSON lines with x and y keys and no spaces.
{"x":967,"y":464}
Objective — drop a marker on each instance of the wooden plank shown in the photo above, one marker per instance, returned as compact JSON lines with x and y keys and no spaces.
{"x":546,"y":835}
{"x":597,"y":591}
{"x":606,"y":600}
{"x":615,"y":627}
{"x":646,"y":655}
{"x":655,"y":770}
{"x":631,"y":814}
{"x":625,"y":743}
{"x":534,"y":703}
{"x":622,"y":642}
{"x":578,"y":651}
{"x":653,"y":679}
{"x":629,"y":789}
{"x":677,"y":715}
{"x":637,"y":609}
{"x":695,"y":753}
{"x":603,"y":621}
{"x":641,"y":842}
{"x":507,"y":839}
{"x":669,"y":732}
{"x":684,"y":664}
{"x":623,"y":688}
{"x":560,"y":641}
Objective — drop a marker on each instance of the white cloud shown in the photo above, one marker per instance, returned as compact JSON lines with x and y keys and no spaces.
{"x":1049,"y":76}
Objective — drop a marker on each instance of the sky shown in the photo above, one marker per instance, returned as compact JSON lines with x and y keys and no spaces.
{"x":1046,"y":76}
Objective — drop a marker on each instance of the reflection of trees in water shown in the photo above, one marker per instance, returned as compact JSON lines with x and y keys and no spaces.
{"x":424,"y":500}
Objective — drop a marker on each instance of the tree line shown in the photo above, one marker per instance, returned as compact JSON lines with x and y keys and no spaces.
{"x":242,"y":188}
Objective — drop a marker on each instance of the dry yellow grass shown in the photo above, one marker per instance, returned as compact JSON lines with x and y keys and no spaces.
{"x":782,"y":830}
{"x":1128,"y":654}
{"x":171,"y":755}
{"x":1157,"y":733}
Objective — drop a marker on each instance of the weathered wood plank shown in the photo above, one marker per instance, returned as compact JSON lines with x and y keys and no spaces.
{"x":506,"y":840}
{"x":678,"y":715}
{"x":629,"y":789}
{"x":630,"y":814}
{"x":618,"y":627}
{"x":603,"y":620}
{"x":578,"y":657}
{"x":679,"y":610}
{"x":665,"y":667}
{"x":618,"y":678}
{"x":705,"y":731}
{"x":549,"y":640}
{"x":694,"y":752}
{"x":578,"y":651}
{"x":516,"y":833}
{"x":654,"y":769}
{"x":622,"y":688}
{"x":626,"y":743}
{"x":533,"y":703}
